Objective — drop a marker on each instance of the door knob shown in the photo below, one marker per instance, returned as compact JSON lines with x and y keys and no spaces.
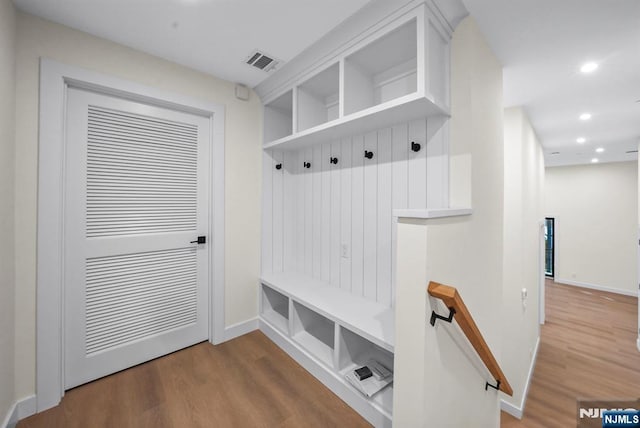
{"x":200,"y":240}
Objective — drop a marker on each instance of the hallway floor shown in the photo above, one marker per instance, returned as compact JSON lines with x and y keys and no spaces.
{"x":246,"y":382}
{"x":587,"y":350}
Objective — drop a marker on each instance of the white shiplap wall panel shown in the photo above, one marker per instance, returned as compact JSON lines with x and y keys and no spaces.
{"x":437,"y":164}
{"x":308,"y":212}
{"x":400,"y":187}
{"x":370,"y":214}
{"x":400,"y":148}
{"x":316,"y":211}
{"x":335,"y":202}
{"x":346,"y":171}
{"x":417,"y":165}
{"x":298,"y":168}
{"x":384,"y":218}
{"x":357,"y":215}
{"x":325,"y":212}
{"x":316,"y":236}
{"x":290,"y":213}
{"x":278,"y":212}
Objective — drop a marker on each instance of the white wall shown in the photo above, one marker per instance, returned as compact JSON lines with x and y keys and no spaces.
{"x":7,"y":284}
{"x":36,"y":38}
{"x":438,"y":382}
{"x":596,"y":212}
{"x":523,"y":212}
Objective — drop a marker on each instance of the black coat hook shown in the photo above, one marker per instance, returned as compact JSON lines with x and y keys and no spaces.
{"x":415,"y":146}
{"x":307,"y":164}
{"x":368,"y":154}
{"x":279,"y":166}
{"x":334,"y":161}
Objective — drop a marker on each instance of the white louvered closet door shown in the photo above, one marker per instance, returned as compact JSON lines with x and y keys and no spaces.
{"x":136,"y":186}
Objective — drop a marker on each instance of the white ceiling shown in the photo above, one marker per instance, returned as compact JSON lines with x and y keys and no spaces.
{"x":542,"y":44}
{"x":213,"y":36}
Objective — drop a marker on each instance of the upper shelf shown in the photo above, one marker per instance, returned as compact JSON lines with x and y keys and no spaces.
{"x":279,"y":115}
{"x":394,"y":75}
{"x":318,"y":99}
{"x":404,"y":109}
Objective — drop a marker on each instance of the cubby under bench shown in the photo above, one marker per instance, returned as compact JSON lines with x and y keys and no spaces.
{"x":330,"y":331}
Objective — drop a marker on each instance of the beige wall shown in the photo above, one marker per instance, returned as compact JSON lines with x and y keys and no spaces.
{"x":38,"y":38}
{"x":7,"y":284}
{"x":438,"y":380}
{"x":523,"y":213}
{"x":596,"y":212}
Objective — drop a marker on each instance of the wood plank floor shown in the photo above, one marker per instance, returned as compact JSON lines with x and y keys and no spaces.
{"x":246,"y":382}
{"x":587,"y":350}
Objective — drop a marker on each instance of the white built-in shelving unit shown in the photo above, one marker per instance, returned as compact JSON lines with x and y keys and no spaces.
{"x":351,"y":142}
{"x":332,"y":329}
{"x":318,"y":98}
{"x":385,"y":80}
{"x":278,"y":113}
{"x":383,"y":70}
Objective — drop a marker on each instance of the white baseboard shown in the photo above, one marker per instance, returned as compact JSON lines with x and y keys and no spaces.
{"x":11,"y":419}
{"x":21,"y":409}
{"x":26,"y":407}
{"x":633,"y":293}
{"x":240,"y":329}
{"x":518,"y":411}
{"x":514,"y":411}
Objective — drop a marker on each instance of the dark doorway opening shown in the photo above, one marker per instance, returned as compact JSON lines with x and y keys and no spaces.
{"x":549,"y":246}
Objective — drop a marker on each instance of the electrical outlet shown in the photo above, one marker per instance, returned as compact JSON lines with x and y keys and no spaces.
{"x":345,"y":251}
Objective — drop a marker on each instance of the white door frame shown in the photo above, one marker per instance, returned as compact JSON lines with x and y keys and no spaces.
{"x":541,"y":271}
{"x":55,"y":79}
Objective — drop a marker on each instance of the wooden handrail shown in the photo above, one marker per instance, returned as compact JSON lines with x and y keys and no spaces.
{"x":451,"y":298}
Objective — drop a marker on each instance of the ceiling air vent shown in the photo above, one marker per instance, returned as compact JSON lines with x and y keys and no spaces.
{"x":262,"y":61}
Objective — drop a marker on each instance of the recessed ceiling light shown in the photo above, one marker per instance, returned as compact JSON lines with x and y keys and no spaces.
{"x":599,"y":150}
{"x":594,"y":160}
{"x":585,"y":116}
{"x":581,"y":140}
{"x":589,"y":67}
